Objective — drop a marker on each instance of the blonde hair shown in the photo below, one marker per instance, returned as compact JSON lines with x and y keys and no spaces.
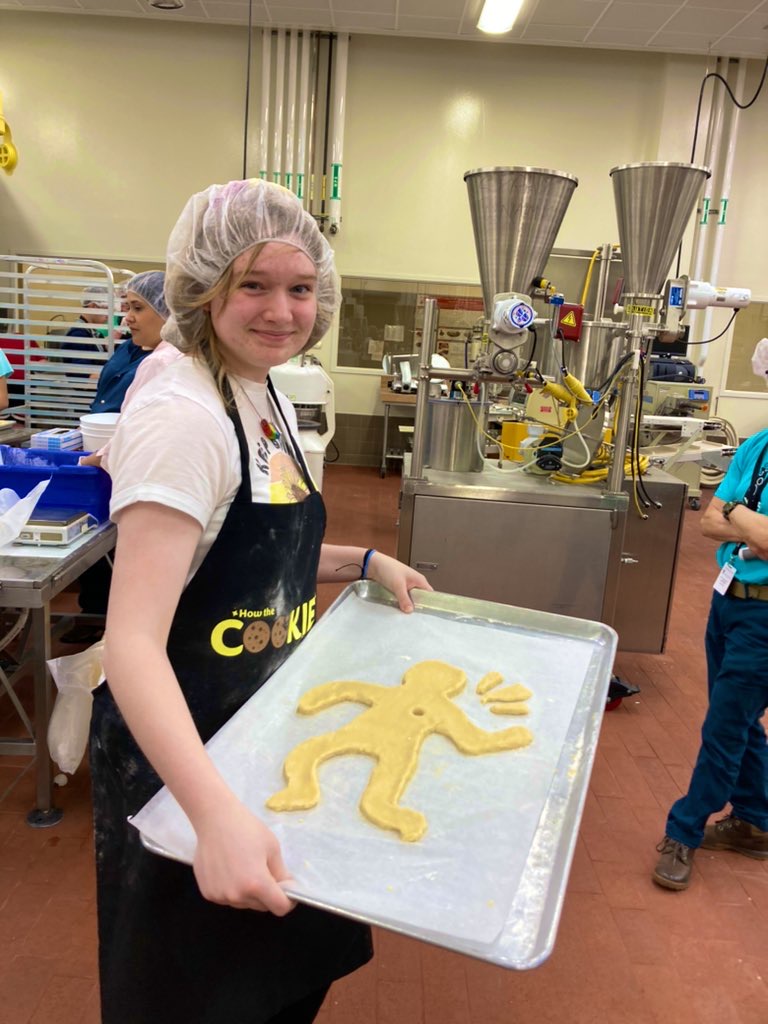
{"x":204,"y":343}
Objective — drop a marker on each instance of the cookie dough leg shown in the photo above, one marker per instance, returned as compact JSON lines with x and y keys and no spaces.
{"x":300,"y":771}
{"x":379,"y":802}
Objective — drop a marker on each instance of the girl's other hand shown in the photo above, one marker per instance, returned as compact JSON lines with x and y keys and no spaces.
{"x":397,"y":577}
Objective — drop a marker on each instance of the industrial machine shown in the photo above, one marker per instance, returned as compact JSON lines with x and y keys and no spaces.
{"x":577,"y":522}
{"x":310,"y":390}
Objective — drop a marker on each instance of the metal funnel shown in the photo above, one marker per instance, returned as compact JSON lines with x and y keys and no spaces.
{"x":654,"y":202}
{"x":516,"y":214}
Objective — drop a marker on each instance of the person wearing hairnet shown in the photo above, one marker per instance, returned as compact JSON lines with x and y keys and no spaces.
{"x":215,"y":511}
{"x":90,"y":322}
{"x":144,"y":317}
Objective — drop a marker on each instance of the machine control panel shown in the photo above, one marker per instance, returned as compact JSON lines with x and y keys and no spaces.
{"x":677,"y":398}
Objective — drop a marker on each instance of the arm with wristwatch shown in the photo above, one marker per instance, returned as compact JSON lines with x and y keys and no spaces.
{"x":733,"y":521}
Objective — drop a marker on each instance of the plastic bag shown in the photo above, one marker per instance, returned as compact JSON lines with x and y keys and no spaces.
{"x":15,"y":514}
{"x":76,"y":676}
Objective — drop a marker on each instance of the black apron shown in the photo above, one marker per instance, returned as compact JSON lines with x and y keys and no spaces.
{"x":167,"y":955}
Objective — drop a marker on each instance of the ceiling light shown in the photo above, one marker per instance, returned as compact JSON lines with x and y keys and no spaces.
{"x":167,"y":5}
{"x":498,"y":16}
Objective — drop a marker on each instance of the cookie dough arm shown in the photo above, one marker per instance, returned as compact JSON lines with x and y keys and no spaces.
{"x":471,"y":739}
{"x":328,"y":694}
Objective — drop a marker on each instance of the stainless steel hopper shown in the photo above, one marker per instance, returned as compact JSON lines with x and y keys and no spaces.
{"x":654,"y":202}
{"x":516,"y":214}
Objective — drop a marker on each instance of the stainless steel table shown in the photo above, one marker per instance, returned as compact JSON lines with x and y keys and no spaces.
{"x":31,"y":583}
{"x":405,"y":401}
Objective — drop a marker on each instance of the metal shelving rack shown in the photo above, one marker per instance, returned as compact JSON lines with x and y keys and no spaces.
{"x":41,"y":298}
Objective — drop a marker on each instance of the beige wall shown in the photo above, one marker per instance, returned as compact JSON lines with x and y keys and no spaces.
{"x":117,"y":121}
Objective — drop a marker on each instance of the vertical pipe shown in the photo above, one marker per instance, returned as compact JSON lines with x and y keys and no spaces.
{"x":247,"y":111}
{"x":293,"y":69}
{"x":326,"y":132}
{"x":277,"y":151}
{"x":422,"y":394}
{"x":266,"y":53}
{"x":722,"y":197}
{"x":337,"y":144}
{"x":606,"y":252}
{"x":311,"y":158}
{"x":702,"y":234}
{"x":714,"y":125}
{"x":301,"y":149}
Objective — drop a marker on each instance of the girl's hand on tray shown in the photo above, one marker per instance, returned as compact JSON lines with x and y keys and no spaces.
{"x":397,"y":577}
{"x":238,"y":862}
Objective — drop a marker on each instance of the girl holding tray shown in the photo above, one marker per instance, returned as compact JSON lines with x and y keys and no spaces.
{"x":219,"y":550}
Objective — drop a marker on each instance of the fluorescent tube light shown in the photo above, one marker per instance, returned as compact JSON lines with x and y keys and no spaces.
{"x":498,"y":16}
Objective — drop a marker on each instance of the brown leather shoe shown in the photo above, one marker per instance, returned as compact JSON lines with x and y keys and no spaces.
{"x":673,"y":870}
{"x":731,"y":833}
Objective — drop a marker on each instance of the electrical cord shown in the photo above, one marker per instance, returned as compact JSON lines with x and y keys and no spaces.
{"x":332,"y":444}
{"x":533,"y":349}
{"x":614,"y":373}
{"x":709,"y":340}
{"x":637,"y":476}
{"x":741,"y":106}
{"x":648,"y":501}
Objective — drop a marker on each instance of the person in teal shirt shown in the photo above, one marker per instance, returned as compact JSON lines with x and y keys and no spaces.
{"x":5,"y":372}
{"x":732,"y":764}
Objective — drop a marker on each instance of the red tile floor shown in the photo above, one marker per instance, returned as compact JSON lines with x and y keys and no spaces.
{"x":627,"y":952}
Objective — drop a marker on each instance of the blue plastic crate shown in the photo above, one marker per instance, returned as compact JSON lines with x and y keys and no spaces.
{"x":80,"y":488}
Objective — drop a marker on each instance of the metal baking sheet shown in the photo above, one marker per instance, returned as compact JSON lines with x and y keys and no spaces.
{"x":489,"y":876}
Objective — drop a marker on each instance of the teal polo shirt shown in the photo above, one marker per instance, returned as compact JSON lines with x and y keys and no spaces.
{"x":734,"y":488}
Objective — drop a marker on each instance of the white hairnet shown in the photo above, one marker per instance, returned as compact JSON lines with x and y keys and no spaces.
{"x":224,"y":221}
{"x":96,"y":294}
{"x":760,"y":360}
{"x":149,"y":286}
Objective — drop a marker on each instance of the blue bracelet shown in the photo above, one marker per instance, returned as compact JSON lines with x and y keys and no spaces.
{"x":368,"y":556}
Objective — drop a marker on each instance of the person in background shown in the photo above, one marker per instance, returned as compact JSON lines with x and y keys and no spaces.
{"x":5,"y":372}
{"x":88,"y":330}
{"x":145,"y":315}
{"x":161,"y":356}
{"x":215,"y":510}
{"x":732,"y":764}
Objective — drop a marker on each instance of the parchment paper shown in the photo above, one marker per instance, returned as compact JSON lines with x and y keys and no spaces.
{"x":456,"y":885}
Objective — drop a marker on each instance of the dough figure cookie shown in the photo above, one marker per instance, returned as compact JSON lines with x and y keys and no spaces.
{"x":392,"y":731}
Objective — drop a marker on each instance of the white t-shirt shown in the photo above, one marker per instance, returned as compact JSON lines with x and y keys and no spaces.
{"x":175,"y":445}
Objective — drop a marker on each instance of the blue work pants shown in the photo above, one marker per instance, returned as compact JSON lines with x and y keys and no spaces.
{"x":732,"y":766}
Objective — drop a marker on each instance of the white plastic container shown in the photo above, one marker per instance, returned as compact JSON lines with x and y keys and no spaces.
{"x":97,"y":428}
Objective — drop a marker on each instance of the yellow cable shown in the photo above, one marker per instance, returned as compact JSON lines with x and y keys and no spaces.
{"x":587,"y":476}
{"x":590,"y":476}
{"x":588,"y":279}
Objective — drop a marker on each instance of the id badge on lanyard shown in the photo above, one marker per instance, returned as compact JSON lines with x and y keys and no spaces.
{"x":752,"y":501}
{"x":724,"y":578}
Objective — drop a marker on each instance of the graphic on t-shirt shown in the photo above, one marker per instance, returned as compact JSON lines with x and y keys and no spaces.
{"x":286,"y":483}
